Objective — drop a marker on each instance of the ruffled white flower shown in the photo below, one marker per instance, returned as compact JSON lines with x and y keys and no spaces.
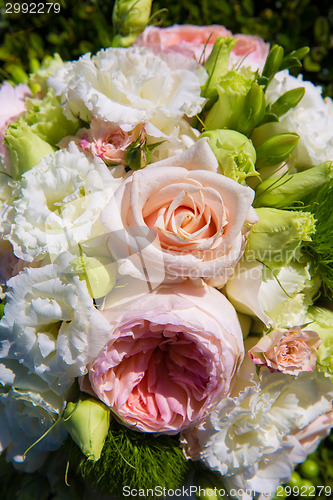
{"x":28,"y":408}
{"x":280,"y":299}
{"x":47,"y":320}
{"x":131,"y":86}
{"x":58,"y":204}
{"x":311,"y":119}
{"x":254,"y":429}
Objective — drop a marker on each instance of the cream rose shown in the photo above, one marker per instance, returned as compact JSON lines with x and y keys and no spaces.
{"x":171,"y":357}
{"x":179,"y":218}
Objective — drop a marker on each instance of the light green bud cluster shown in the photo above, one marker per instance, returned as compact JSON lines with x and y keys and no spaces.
{"x":25,"y":148}
{"x":235,"y":153}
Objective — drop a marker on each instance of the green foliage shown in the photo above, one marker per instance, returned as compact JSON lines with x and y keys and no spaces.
{"x":319,"y":203}
{"x":136,"y":459}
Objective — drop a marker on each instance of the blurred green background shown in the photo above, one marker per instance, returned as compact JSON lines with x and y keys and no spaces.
{"x":86,"y":26}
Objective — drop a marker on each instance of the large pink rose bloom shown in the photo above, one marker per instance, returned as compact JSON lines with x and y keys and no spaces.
{"x":197,"y":42}
{"x":12,"y":105}
{"x":179,"y":218}
{"x":171,"y":357}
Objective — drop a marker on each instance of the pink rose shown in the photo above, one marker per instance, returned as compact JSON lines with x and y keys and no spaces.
{"x":105,"y":140}
{"x":12,"y":105}
{"x":252,"y":49}
{"x":171,"y":357}
{"x":187,"y":39}
{"x":197,"y":42}
{"x":288,"y":351}
{"x":179,"y":218}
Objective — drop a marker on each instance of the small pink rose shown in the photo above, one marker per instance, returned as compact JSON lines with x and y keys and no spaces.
{"x":12,"y":105}
{"x":187,"y":220}
{"x":105,"y":140}
{"x":288,"y":351}
{"x":171,"y":357}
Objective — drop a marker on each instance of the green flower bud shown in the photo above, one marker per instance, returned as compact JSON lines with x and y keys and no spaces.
{"x":288,"y":100}
{"x":217,"y":64}
{"x":46,"y":118}
{"x":273,"y":61}
{"x":25,"y":148}
{"x":278,"y":235}
{"x":322,"y":323}
{"x":88,"y":424}
{"x":38,"y":80}
{"x":285,"y":190}
{"x":131,"y":16}
{"x":138,"y":154}
{"x":253,"y":110}
{"x":100,"y":274}
{"x":276,"y":149}
{"x":232,"y":91}
{"x":235,"y":153}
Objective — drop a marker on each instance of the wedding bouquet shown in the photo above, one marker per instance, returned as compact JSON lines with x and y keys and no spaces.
{"x":166,"y":257}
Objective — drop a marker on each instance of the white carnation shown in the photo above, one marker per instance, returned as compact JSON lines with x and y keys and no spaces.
{"x":48,"y":315}
{"x":131,"y":86}
{"x":250,"y":438}
{"x":58,"y":204}
{"x":28,"y":408}
{"x":311,"y":119}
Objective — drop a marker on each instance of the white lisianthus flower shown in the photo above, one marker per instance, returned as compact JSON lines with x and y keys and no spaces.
{"x":47,"y":320}
{"x":131,"y":86}
{"x":251,"y":437}
{"x":311,"y":119}
{"x":58,"y":204}
{"x":279,"y":297}
{"x":28,"y":408}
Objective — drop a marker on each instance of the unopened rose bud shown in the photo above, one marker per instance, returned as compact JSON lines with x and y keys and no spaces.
{"x":235,"y":153}
{"x":99,"y":273}
{"x":88,"y":424}
{"x":276,"y":149}
{"x":217,"y":64}
{"x":25,"y":148}
{"x":285,"y":190}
